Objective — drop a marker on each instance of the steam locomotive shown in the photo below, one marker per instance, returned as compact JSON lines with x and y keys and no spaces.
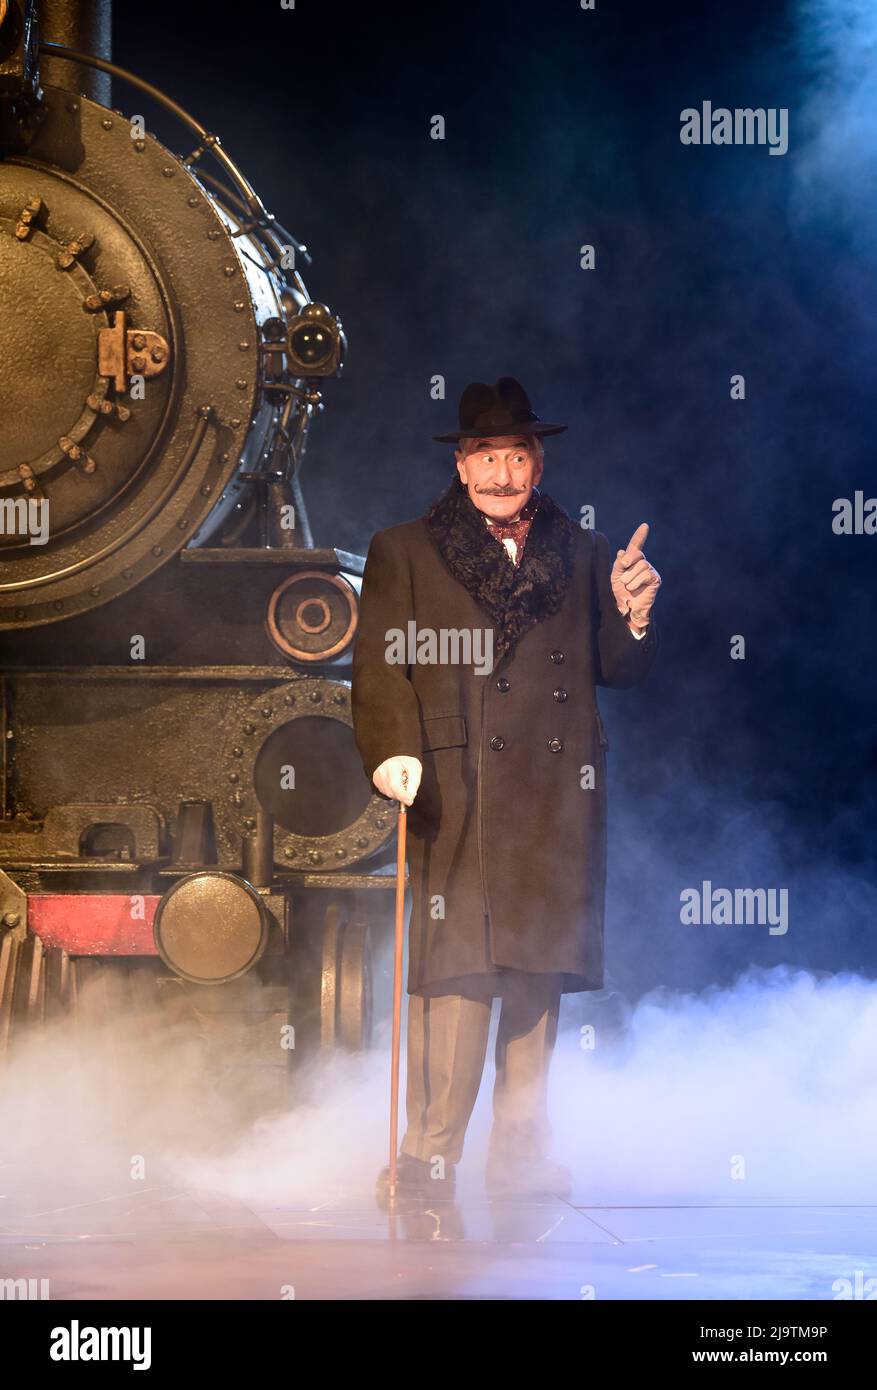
{"x":183,"y":812}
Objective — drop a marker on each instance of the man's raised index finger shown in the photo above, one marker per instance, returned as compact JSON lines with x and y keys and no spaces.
{"x":639,"y":538}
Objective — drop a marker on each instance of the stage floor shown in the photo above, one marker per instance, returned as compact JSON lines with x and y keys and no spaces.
{"x":161,"y":1241}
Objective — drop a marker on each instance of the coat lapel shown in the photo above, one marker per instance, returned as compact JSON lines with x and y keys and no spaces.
{"x":515,"y":598}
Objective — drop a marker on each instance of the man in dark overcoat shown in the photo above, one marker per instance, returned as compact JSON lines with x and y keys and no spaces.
{"x":485,"y":627}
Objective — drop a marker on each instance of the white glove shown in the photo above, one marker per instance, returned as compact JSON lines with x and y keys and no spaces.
{"x":389,"y":779}
{"x":635,"y":582}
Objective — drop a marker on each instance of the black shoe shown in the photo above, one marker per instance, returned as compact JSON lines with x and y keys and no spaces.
{"x":414,"y":1178}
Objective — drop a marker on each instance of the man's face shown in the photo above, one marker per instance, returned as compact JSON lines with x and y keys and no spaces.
{"x":499,"y":473}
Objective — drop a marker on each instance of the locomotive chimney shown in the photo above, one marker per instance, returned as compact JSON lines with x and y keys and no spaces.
{"x":86,"y":26}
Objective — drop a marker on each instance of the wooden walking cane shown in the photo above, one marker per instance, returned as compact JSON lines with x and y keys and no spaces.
{"x":401,"y":827}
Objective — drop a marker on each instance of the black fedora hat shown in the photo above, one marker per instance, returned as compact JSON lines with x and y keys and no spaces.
{"x":503,"y":408}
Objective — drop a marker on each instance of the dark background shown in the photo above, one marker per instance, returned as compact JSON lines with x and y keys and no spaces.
{"x":461,"y":258}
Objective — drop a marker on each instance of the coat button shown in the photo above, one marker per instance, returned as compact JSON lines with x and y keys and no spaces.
{"x":558,"y":658}
{"x":497,"y":742}
{"x":555,"y":745}
{"x":503,"y":685}
{"x":560,"y":695}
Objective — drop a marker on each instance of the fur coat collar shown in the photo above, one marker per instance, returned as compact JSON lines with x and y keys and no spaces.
{"x":515,"y":597}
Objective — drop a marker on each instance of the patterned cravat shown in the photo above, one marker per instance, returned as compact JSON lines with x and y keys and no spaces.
{"x":515,"y":530}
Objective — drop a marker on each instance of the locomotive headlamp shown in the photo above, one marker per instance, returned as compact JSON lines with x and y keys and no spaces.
{"x":315,"y":342}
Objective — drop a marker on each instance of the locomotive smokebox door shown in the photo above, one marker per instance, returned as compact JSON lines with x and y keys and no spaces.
{"x":127,"y":403}
{"x":160,"y":352}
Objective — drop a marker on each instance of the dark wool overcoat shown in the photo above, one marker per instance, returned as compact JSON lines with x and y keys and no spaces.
{"x":507,"y":833}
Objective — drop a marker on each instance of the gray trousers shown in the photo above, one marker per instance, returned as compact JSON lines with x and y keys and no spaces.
{"x":448,"y":1028}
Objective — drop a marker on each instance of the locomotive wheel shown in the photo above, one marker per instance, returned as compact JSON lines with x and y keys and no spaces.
{"x":346,"y":986}
{"x":34,"y":986}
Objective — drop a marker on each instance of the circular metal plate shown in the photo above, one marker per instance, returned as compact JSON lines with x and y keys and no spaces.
{"x":312,"y":615}
{"x":210,"y":927}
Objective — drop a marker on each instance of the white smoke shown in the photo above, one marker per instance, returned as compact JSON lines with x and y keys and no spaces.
{"x":764,"y":1092}
{"x":835,"y":167}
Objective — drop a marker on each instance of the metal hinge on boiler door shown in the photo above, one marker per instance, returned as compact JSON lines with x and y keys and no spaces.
{"x":124,"y":352}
